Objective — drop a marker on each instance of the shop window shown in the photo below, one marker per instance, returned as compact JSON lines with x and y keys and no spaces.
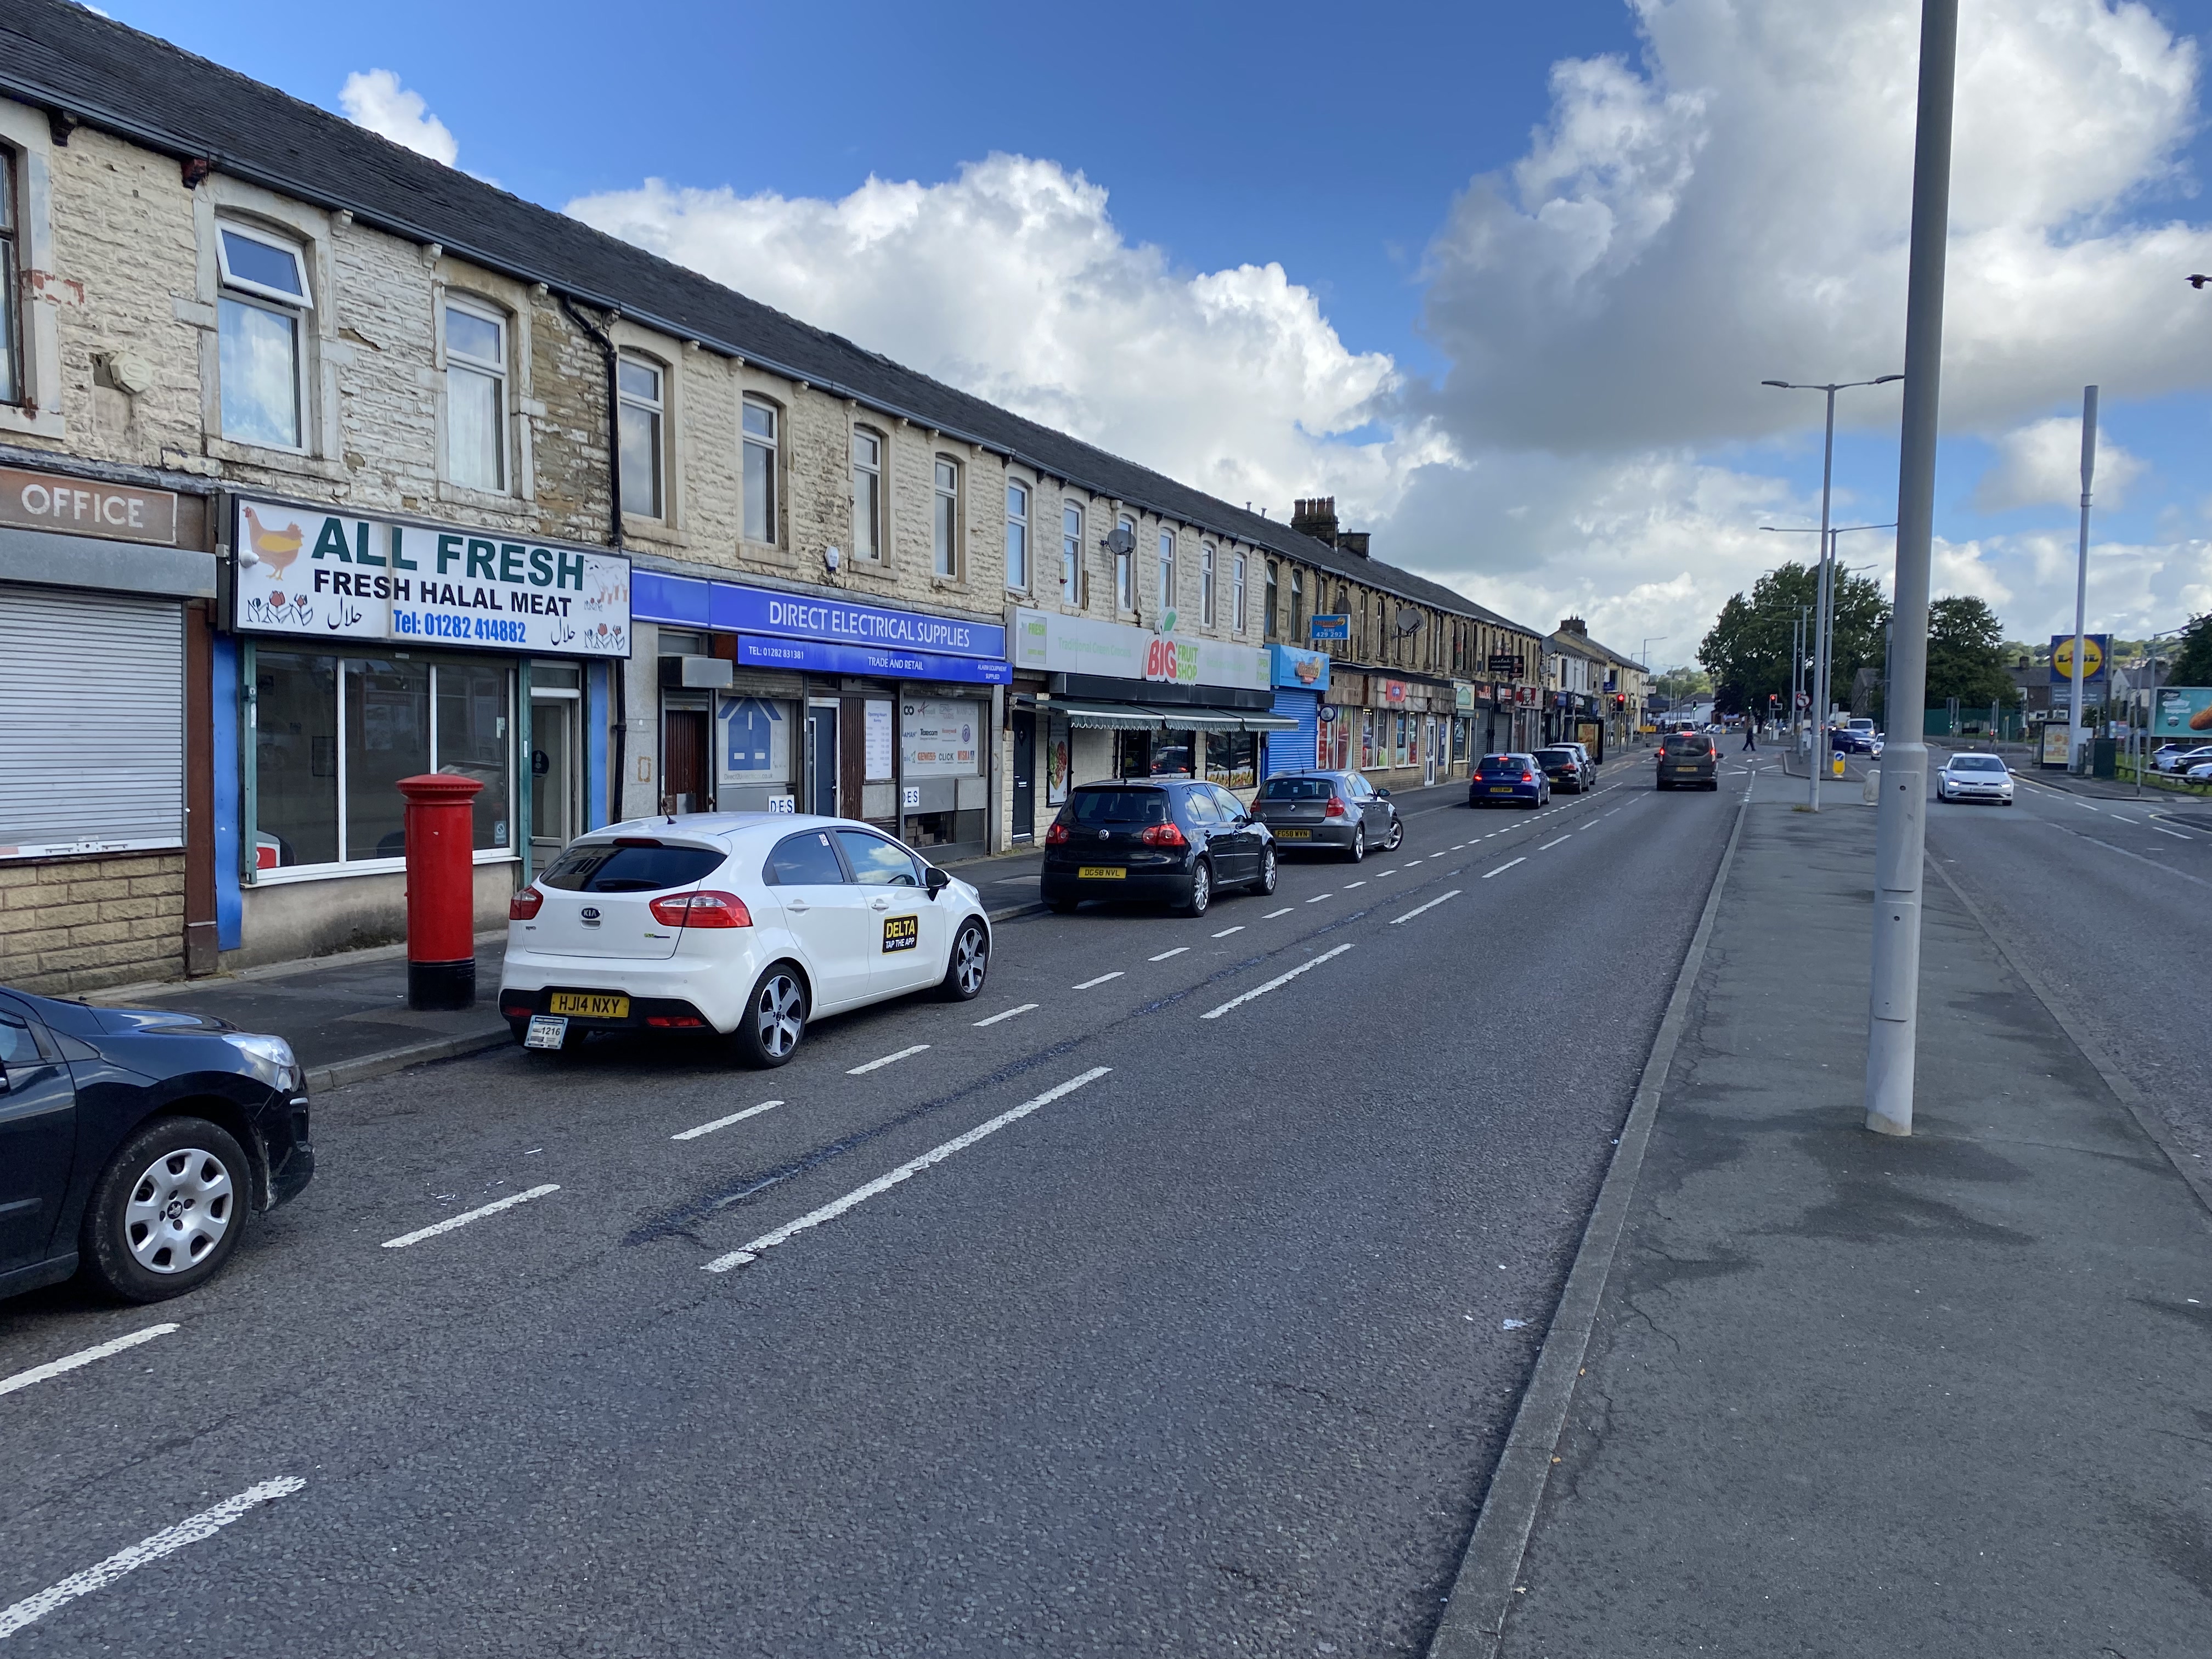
{"x":761,"y":438}
{"x":1232,"y":759}
{"x":260,"y":318}
{"x":1206,"y":585}
{"x":1071,"y":554}
{"x":1236,"y":592}
{"x":642,"y":385}
{"x":476,"y":395}
{"x":1270,"y":628}
{"x":11,"y":328}
{"x":944,"y":518}
{"x":941,"y":742}
{"x":754,"y":753}
{"x":867,"y":495}
{"x":1167,"y":571}
{"x":1017,"y":538}
{"x":1125,"y":565}
{"x":334,"y":737}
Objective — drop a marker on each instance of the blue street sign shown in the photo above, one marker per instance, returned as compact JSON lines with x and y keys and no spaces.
{"x":1335,"y":627}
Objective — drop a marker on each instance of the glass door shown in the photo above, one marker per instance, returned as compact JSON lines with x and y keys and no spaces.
{"x":554,"y":776}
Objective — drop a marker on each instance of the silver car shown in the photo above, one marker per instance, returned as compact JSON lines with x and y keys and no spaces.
{"x":1339,"y":811}
{"x":1974,"y":777}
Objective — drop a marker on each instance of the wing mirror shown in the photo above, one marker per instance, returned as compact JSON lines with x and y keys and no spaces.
{"x":937,"y":881}
{"x":1381,"y":794}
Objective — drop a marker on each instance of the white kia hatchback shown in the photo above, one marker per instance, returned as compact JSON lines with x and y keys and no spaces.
{"x":746,"y":924}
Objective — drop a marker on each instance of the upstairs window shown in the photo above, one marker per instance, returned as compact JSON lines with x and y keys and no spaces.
{"x":1269,"y":627}
{"x":1167,"y":572}
{"x":1206,"y":585}
{"x":475,"y":396}
{"x":1017,"y":538}
{"x":944,"y":519}
{"x":11,"y":366}
{"x":1071,"y":554}
{"x":867,"y":495}
{"x":1297,"y":607}
{"x":1236,"y":592}
{"x":641,"y":386}
{"x":760,"y":439}
{"x":1125,"y":565}
{"x":259,"y":315}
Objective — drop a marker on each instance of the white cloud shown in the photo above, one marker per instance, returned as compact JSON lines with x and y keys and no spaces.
{"x":2039,"y":464}
{"x":1011,"y":281}
{"x":375,"y":100}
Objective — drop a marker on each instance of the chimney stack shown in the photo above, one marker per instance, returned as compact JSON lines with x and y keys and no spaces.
{"x":1574,"y":625}
{"x":1315,"y":517}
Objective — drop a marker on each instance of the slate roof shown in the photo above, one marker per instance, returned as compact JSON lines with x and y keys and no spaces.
{"x":64,"y":58}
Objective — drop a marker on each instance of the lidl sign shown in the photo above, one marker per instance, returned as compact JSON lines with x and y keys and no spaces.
{"x":2093,"y":658}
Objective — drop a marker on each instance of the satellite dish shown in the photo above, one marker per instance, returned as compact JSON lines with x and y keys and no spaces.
{"x":1121,"y":542}
{"x":1409,"y":620}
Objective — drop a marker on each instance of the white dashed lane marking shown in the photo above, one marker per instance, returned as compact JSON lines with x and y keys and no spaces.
{"x":1284,"y":911}
{"x":1504,"y":867}
{"x":1549,"y":845}
{"x":1177,"y":952}
{"x":1024,"y":1009}
{"x":725,"y":1122}
{"x":69,"y":1362}
{"x":1226,"y":932}
{"x":887,"y":1060}
{"x":1100,"y":980}
{"x":1276,"y":983}
{"x":478,"y":1214}
{"x":1430,"y":905}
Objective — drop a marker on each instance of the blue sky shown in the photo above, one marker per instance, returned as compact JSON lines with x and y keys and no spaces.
{"x":1335,"y":142}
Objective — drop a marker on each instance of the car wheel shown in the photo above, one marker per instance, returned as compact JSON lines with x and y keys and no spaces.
{"x":964,"y":971}
{"x":1062,"y":907}
{"x":1359,"y":843}
{"x":774,"y":1018}
{"x":1397,"y":836}
{"x":1201,"y":889}
{"x":168,"y":1211}
{"x":1264,"y":883}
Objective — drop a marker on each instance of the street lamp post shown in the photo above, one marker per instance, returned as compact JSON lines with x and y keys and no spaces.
{"x":1644,"y":657}
{"x":2081,"y":577}
{"x":1820,"y":661}
{"x":2150,"y":702}
{"x":1825,"y":652}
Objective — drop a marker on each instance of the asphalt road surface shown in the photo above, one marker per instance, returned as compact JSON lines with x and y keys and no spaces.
{"x":1209,"y":1350}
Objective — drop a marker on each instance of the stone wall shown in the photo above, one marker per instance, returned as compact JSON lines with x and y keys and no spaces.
{"x":78,"y":924}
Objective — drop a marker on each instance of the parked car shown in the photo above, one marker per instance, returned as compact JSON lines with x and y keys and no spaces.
{"x":1508,"y":780}
{"x":1688,"y":760}
{"x":744,"y":925}
{"x":1855,"y":741}
{"x":135,"y":1143}
{"x":1341,"y":811}
{"x":1566,"y":766}
{"x":1177,"y":840}
{"x":2173,"y":757}
{"x":2200,"y":773}
{"x":1974,"y":777}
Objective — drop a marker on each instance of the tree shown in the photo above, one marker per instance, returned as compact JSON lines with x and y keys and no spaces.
{"x":1965,"y":653}
{"x":1747,"y":650}
{"x":2192,"y":655}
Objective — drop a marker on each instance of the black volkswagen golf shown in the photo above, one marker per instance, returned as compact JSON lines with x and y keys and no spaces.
{"x":135,"y":1142}
{"x":1177,"y":839}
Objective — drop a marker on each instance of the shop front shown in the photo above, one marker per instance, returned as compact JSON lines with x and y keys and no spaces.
{"x":1300,"y":679}
{"x":781,"y":701}
{"x":375,"y":649}
{"x":107,"y":839}
{"x":1120,"y":702}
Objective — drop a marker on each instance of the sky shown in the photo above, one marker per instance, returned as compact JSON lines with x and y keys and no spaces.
{"x":1504,"y":279}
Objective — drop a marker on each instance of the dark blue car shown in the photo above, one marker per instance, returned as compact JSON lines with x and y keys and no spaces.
{"x":1508,"y":780}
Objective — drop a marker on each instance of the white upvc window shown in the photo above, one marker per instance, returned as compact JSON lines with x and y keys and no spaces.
{"x":867,"y":495}
{"x":1236,"y":592}
{"x":476,"y":395}
{"x":761,"y":437}
{"x":1167,"y":571}
{"x":11,"y":328}
{"x":944,"y":518}
{"x":642,"y":384}
{"x":1017,"y":538}
{"x":1071,"y":554}
{"x":1125,"y":565}
{"x":1206,"y":584}
{"x":261,"y":314}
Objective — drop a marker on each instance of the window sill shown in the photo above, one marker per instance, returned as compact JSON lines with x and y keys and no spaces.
{"x":658,"y":531}
{"x":46,"y":423}
{"x":948,"y":584}
{"x":286,"y":875}
{"x":274,"y":460}
{"x":491,"y":501}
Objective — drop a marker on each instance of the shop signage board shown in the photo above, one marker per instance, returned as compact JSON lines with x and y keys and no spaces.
{"x":1057,"y":644}
{"x":820,"y":657}
{"x":1505,"y":667}
{"x":733,"y":608}
{"x":2095,"y":648}
{"x":313,"y":573}
{"x":1394,"y":692}
{"x":1462,"y":696}
{"x":941,"y":737}
{"x":88,"y":507}
{"x":2182,"y":711}
{"x":1298,"y":670}
{"x":1334,"y":626}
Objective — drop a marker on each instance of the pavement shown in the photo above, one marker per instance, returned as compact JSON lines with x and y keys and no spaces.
{"x":1848,"y":1394}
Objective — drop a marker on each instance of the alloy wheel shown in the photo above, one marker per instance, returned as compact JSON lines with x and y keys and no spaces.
{"x":1359,"y":843}
{"x":1266,"y":881}
{"x":779,"y":1015}
{"x":1201,"y":889}
{"x":180,"y":1209}
{"x":970,"y":959}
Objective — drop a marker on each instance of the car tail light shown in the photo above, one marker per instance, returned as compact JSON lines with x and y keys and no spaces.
{"x":674,"y":1021}
{"x":1056,"y":835}
{"x":519,"y":1005}
{"x":1528,"y":777}
{"x":703,"y":909}
{"x":523,"y":907}
{"x":1334,"y":810}
{"x":1164,"y":835}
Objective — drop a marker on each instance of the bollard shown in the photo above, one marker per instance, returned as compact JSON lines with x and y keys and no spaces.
{"x":1871,"y":796}
{"x":441,"y":945}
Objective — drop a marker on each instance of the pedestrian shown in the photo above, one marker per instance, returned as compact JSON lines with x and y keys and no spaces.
{"x":1750,"y":735}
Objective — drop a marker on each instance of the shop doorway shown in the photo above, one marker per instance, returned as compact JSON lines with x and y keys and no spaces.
{"x":1428,"y":751}
{"x":1024,"y":724}
{"x":555,"y":777}
{"x":683,"y":762}
{"x":821,"y":759}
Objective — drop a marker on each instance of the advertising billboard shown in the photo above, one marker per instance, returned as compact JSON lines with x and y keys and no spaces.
{"x":2182,"y":711}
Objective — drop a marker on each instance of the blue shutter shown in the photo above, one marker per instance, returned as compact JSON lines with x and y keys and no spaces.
{"x":1294,"y":752}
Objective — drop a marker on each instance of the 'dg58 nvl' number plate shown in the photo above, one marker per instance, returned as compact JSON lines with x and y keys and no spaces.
{"x":902,"y":933}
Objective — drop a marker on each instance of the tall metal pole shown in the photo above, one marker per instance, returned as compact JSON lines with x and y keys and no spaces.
{"x":2081,"y":576}
{"x":1900,"y":832}
{"x":1820,"y":648}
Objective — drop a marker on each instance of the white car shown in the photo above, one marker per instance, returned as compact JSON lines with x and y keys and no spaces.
{"x":2173,"y":757}
{"x":2200,"y":773}
{"x":1974,"y":777}
{"x":745,"y":924}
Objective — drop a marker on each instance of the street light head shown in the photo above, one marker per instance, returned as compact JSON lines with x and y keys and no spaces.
{"x":1786,"y":386}
{"x":1884,"y":379}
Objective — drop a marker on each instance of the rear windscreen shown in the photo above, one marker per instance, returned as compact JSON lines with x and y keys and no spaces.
{"x":1556,"y":756}
{"x":1294,"y":789}
{"x":605,"y":868}
{"x":1493,"y":764}
{"x":1689,"y":745}
{"x":1102,"y":808}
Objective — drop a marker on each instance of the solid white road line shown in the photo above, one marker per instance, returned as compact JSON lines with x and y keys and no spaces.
{"x":1177,"y":952}
{"x":1009,"y":1013}
{"x":1100,"y":980}
{"x":1284,"y":911}
{"x":452,"y":1222}
{"x":168,"y":1541}
{"x":725,"y":1122}
{"x":1504,"y":867}
{"x":835,"y":1207}
{"x":69,"y":1362}
{"x":1279,"y":980}
{"x":1430,"y":905}
{"x":878,"y":1065}
{"x":1226,"y":932}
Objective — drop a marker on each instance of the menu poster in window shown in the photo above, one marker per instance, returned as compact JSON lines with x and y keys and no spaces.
{"x":756,"y":746}
{"x":1056,"y":761}
{"x":943,"y":739}
{"x":877,"y":751}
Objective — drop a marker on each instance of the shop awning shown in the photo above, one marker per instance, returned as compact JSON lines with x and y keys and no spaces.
{"x":1267,"y":722}
{"x":1154,"y":717}
{"x":1110,"y":716}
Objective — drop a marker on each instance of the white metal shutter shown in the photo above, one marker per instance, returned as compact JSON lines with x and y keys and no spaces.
{"x":92,"y":722}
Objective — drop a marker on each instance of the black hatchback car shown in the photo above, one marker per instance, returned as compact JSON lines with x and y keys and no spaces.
{"x":1567,"y":766}
{"x":135,"y":1142}
{"x":1174,"y":840}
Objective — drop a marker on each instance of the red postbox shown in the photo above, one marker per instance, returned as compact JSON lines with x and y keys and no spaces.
{"x":441,"y":927}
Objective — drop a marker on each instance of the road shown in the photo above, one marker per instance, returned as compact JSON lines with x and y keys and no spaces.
{"x":1209,"y":1351}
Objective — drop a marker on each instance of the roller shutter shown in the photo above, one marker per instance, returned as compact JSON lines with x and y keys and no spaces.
{"x":1295,"y":751}
{"x":92,"y":705}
